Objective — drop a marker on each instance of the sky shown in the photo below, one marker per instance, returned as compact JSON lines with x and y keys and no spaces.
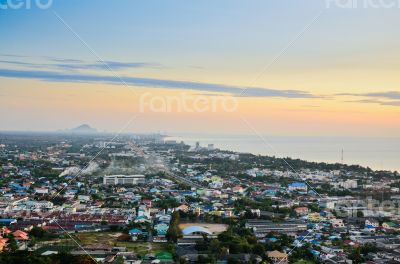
{"x":285,"y":67}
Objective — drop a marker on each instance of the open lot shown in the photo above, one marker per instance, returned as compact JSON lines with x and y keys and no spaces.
{"x":110,"y":238}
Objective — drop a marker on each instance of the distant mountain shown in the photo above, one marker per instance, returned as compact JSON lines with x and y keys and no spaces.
{"x":83,"y":129}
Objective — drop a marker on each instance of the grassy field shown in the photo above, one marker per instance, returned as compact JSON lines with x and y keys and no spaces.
{"x":110,"y":238}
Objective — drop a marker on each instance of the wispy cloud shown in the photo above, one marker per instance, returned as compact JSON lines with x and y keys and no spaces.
{"x":233,"y":90}
{"x":20,"y":63}
{"x":12,"y":55}
{"x":63,"y":60}
{"x":393,"y":95}
{"x":389,"y":98}
{"x":72,"y":64}
{"x":377,"y":101}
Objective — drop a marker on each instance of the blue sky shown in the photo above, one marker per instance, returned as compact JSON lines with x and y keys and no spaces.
{"x":199,"y":30}
{"x":324,"y":60}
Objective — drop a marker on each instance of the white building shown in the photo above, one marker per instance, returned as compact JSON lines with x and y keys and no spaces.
{"x":349,"y":184}
{"x":123,"y":179}
{"x":41,"y":191}
{"x":297,"y":186}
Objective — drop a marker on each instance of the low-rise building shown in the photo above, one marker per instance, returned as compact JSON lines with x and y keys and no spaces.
{"x":123,"y":179}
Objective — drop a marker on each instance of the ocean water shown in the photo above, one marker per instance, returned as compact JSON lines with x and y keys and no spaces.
{"x":376,"y":153}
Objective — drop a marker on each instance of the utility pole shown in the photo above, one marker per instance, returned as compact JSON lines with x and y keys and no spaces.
{"x":342,"y":156}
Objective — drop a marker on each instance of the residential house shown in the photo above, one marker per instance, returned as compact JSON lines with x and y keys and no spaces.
{"x":3,"y":243}
{"x":20,"y":235}
{"x":278,"y":257}
{"x":183,"y":208}
{"x":371,"y":223}
{"x":301,"y":210}
{"x":297,"y":186}
{"x":337,"y":223}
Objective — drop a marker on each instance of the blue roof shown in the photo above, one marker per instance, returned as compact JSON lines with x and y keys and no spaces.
{"x":208,"y":207}
{"x":135,"y":231}
{"x":7,"y":220}
{"x":297,"y":184}
{"x":195,"y":229}
{"x":315,"y":242}
{"x":169,"y":190}
{"x":187,"y":193}
{"x":17,"y":186}
{"x":82,"y":226}
{"x":314,"y":252}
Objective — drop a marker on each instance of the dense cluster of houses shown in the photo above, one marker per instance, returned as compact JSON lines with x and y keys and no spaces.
{"x":58,"y":198}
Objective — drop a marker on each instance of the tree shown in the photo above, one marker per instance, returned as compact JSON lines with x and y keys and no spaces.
{"x":215,"y":246}
{"x":32,"y":242}
{"x":12,"y":243}
{"x":232,"y":260}
{"x":182,"y":260}
{"x":367,"y":248}
{"x":355,"y":256}
{"x":84,"y":259}
{"x":37,"y":232}
{"x":174,"y":232}
{"x":205,"y":259}
{"x":258,"y":249}
{"x":119,"y":260}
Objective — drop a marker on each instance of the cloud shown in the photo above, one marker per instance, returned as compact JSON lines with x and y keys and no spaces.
{"x":12,"y":55}
{"x":73,"y":64}
{"x":106,"y":65}
{"x":386,"y":95}
{"x":394,"y":95}
{"x":19,"y":63}
{"x":63,"y":60}
{"x":52,"y":76}
{"x":377,"y":101}
{"x":390,"y":98}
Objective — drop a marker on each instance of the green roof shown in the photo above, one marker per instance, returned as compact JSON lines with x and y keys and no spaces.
{"x":164,"y":255}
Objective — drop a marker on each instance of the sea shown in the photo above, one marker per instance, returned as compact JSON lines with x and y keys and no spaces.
{"x":374,"y":152}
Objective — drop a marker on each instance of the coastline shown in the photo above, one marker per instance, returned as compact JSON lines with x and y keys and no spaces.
{"x":376,"y":153}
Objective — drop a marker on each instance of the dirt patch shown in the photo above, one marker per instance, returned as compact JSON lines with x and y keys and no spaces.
{"x":214,"y":228}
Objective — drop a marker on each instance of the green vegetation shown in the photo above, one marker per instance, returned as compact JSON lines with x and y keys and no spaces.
{"x":174,"y":232}
{"x":34,"y":258}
